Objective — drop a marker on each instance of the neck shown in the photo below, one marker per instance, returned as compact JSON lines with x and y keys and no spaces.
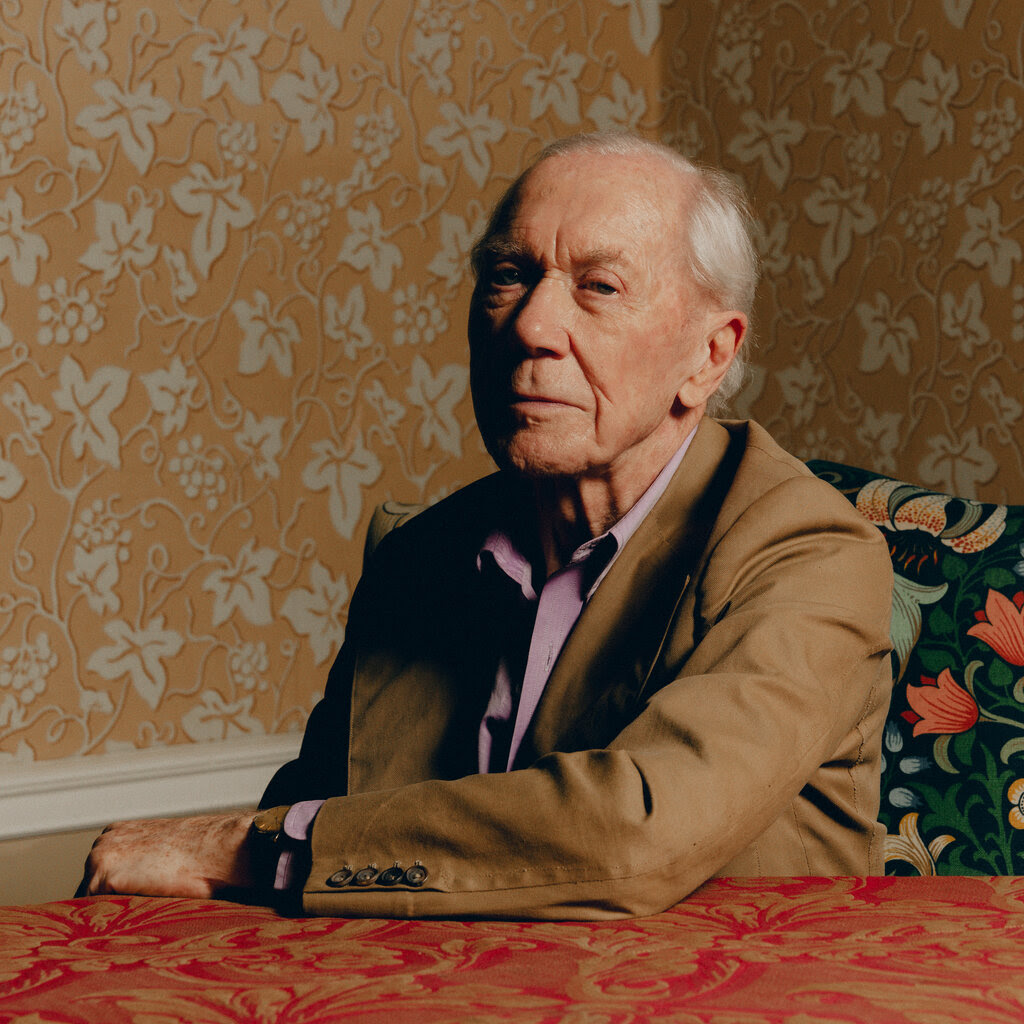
{"x":573,"y":510}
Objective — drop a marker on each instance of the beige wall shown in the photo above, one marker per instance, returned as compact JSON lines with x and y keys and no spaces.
{"x":38,"y":869}
{"x":232,"y":290}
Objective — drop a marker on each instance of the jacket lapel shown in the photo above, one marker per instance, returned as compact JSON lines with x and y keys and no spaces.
{"x":606,"y":662}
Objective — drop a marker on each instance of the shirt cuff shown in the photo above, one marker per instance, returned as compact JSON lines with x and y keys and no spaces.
{"x":298,"y":823}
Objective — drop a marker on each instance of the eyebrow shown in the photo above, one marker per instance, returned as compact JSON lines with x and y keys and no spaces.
{"x":604,"y":257}
{"x":502,"y":247}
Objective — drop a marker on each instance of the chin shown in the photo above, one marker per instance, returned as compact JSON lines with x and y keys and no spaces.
{"x":533,"y":457}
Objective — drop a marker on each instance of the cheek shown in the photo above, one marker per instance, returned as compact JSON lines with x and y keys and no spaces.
{"x":678,"y":351}
{"x":643,"y":368}
{"x":478,"y":326}
{"x":487,"y":329}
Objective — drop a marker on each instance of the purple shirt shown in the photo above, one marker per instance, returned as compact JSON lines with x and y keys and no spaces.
{"x":520,"y":680}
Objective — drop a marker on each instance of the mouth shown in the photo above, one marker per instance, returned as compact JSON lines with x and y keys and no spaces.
{"x":516,"y":399}
{"x":530,"y":407}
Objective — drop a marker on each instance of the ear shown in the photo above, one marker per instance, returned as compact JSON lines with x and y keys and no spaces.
{"x":725,"y":335}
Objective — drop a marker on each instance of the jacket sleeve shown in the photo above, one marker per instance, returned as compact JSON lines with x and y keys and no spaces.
{"x":765,"y":703}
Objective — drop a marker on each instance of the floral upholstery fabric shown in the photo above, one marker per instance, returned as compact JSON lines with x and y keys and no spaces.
{"x":953,"y":773}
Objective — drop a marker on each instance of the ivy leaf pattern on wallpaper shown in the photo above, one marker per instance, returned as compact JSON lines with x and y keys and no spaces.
{"x":233,"y":287}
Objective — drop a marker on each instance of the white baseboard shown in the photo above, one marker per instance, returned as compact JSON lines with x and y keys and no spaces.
{"x":86,"y":792}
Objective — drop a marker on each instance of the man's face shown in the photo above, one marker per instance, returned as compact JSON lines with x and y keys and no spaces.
{"x":584,"y":324}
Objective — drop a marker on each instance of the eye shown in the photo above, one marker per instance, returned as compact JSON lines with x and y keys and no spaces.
{"x":505,"y":275}
{"x":599,"y":286}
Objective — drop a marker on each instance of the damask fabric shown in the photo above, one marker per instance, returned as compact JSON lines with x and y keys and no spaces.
{"x":953,"y":769}
{"x":843,"y":950}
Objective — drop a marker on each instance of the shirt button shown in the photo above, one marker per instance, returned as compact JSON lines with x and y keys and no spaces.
{"x":340,"y":878}
{"x":390,"y":876}
{"x":364,"y":876}
{"x":416,"y":875}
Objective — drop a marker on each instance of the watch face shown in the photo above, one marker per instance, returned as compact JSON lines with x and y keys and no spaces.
{"x":269,"y":822}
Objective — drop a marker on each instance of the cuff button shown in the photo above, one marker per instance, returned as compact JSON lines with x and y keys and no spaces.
{"x":364,"y":876}
{"x":416,"y":875}
{"x":390,"y":876}
{"x":340,"y":878}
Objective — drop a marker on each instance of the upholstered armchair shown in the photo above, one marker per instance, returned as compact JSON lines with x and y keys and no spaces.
{"x":953,"y":774}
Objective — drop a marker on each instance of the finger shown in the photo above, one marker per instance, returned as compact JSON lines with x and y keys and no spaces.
{"x":89,"y":886}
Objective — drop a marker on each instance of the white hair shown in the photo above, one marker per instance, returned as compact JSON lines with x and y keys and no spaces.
{"x":717,"y":240}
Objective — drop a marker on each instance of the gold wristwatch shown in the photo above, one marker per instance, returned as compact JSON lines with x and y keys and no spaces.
{"x":265,"y":843}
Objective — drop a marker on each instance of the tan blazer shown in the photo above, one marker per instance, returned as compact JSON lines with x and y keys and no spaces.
{"x":717,"y":709}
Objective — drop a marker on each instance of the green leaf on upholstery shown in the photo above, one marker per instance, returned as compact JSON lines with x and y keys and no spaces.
{"x":997,"y":577}
{"x":962,"y":747}
{"x":940,"y":623}
{"x":1000,"y":676}
{"x":933,"y":659}
{"x":953,"y":567}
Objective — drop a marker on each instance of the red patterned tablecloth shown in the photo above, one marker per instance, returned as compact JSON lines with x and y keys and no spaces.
{"x":886,"y":950}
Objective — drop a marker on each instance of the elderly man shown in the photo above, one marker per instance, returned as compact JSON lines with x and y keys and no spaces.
{"x":651,"y":648}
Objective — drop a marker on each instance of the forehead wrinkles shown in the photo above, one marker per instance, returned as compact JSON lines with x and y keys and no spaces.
{"x":580,"y":233}
{"x":605,"y":209}
{"x":642,"y":202}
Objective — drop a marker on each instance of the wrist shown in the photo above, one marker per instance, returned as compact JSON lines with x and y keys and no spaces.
{"x":266,"y":843}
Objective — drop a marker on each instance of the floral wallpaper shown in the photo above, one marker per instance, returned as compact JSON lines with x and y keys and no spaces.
{"x":233,"y":239}
{"x":884,"y":146}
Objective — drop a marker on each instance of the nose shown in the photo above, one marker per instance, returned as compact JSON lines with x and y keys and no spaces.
{"x":540,"y":321}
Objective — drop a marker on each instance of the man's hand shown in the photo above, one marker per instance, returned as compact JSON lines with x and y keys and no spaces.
{"x":197,"y":857}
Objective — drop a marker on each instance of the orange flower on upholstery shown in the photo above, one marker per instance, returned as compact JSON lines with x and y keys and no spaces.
{"x":1001,"y":626}
{"x":941,"y":706}
{"x":1015,"y":794}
